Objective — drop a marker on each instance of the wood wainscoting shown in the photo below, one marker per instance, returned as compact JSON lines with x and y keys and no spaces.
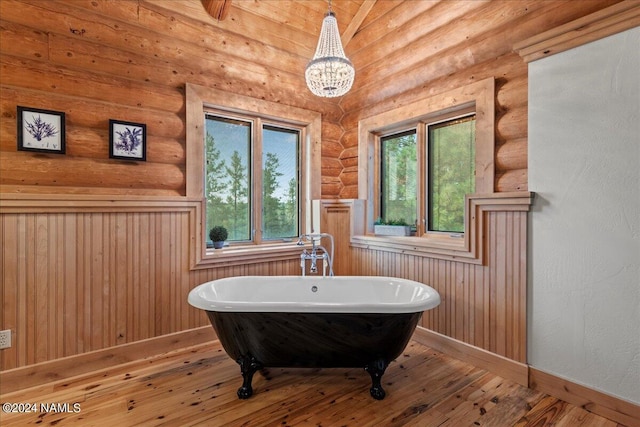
{"x":89,"y":283}
{"x":483,"y":305}
{"x":85,"y":273}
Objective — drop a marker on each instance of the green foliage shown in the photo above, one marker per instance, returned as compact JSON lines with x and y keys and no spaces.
{"x":228,"y":192}
{"x":451,"y":173}
{"x":236,"y":201}
{"x":391,"y":221}
{"x":218,"y":234}
{"x":214,"y":173}
{"x":272,"y":212}
{"x":400,"y":177}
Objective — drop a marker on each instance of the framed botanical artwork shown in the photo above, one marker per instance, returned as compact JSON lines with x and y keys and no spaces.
{"x":41,"y":130}
{"x":127,"y":140}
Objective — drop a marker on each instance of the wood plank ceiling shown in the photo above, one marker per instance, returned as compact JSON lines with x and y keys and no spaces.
{"x":305,"y":17}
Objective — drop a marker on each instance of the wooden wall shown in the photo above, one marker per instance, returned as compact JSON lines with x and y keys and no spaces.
{"x":82,"y":278}
{"x":425,"y":48}
{"x":76,"y":278}
{"x":483,"y":305}
{"x":87,"y":278}
{"x":130,"y":60}
{"x":445,"y":47}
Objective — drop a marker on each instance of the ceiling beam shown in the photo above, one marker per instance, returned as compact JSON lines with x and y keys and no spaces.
{"x":219,"y":9}
{"x":357,"y":20}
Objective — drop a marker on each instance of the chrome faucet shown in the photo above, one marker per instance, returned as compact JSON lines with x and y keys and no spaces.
{"x":318,"y":252}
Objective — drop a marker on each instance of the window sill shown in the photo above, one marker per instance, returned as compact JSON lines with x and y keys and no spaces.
{"x":469,"y":248}
{"x":438,"y":247}
{"x":242,"y":255}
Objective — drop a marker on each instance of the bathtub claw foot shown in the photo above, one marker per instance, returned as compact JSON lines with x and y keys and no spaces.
{"x":377,"y":392}
{"x":245,"y":392}
{"x":376,"y":370}
{"x":248,"y":366}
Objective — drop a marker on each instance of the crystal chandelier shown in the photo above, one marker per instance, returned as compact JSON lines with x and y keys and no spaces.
{"x":329,"y":73}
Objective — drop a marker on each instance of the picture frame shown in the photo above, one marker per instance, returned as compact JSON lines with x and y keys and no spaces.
{"x":41,"y":130}
{"x":127,"y":140}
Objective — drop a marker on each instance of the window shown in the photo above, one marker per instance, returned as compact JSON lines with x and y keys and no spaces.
{"x":252,"y":178}
{"x":450,"y":171}
{"x":269,"y":188}
{"x":227,"y":177}
{"x":448,"y":165}
{"x":280,"y":183}
{"x":422,"y":163}
{"x":399,"y":172}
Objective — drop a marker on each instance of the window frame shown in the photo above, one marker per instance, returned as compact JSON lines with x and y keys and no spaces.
{"x":257,"y":124}
{"x":201,"y":98}
{"x":478,"y":97}
{"x":427,"y":183}
{"x":395,"y":133}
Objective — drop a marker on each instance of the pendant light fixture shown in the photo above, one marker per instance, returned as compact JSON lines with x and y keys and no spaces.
{"x":329,"y":73}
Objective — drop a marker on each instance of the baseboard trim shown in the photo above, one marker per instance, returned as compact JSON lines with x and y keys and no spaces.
{"x":502,"y":366}
{"x":614,"y":408}
{"x":605,"y":405}
{"x":60,"y":369}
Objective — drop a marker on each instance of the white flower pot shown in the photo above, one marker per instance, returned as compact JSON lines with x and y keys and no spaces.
{"x":392,"y":230}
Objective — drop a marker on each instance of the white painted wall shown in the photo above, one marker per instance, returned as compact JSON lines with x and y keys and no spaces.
{"x":584,"y":254}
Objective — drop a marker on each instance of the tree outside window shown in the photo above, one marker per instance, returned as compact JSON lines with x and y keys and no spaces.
{"x":399,"y":178}
{"x":251,"y":214}
{"x":451,"y":172}
{"x":447,"y":165}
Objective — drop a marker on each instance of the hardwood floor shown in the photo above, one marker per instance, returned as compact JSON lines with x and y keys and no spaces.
{"x":197,"y":386}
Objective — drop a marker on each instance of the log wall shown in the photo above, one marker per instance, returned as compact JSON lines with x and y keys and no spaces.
{"x":85,"y":278}
{"x":425,"y":48}
{"x":130,"y":60}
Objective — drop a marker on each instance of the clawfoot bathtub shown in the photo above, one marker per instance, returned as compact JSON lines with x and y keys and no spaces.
{"x":316,"y":322}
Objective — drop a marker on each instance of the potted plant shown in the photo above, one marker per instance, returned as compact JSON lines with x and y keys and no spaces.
{"x":218,"y":235}
{"x":391,"y":227}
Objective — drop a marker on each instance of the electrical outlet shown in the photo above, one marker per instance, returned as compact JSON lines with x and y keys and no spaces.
{"x":5,"y":339}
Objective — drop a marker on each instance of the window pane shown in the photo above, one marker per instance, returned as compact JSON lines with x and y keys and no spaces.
{"x":451,"y":172}
{"x":399,"y":177}
{"x":227,"y":189}
{"x":280,"y":183}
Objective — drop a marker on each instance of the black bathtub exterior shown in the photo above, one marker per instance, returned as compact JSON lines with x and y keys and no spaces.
{"x":313,"y":340}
